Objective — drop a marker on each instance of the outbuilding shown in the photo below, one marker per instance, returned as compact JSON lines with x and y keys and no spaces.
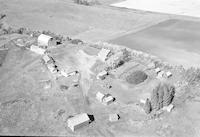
{"x":168,"y":74}
{"x":47,"y":59}
{"x":160,"y":74}
{"x":100,"y":96}
{"x":108,"y":99}
{"x":52,"y":68}
{"x":102,"y":75}
{"x":78,"y":121}
{"x":113,"y":117}
{"x":45,"y":41}
{"x":157,"y":70}
{"x":37,"y":49}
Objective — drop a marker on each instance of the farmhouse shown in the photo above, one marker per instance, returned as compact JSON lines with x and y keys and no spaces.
{"x":45,"y":41}
{"x":78,"y":121}
{"x":103,"y":54}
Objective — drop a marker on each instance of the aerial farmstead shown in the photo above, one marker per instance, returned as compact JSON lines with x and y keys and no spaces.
{"x":82,"y":68}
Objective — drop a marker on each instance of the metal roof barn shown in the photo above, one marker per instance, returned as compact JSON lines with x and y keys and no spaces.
{"x":45,"y":40}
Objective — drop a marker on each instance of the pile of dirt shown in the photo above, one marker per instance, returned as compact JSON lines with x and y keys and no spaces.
{"x":136,"y":77}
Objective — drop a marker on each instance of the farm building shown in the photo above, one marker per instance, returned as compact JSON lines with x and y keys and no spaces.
{"x":160,"y":74}
{"x":47,"y":59}
{"x":108,"y":99}
{"x":78,"y":121}
{"x":45,"y":40}
{"x":100,"y":96}
{"x":168,"y":74}
{"x":102,"y":75}
{"x":113,"y":117}
{"x":37,"y":49}
{"x":52,"y":68}
{"x":67,"y":74}
{"x":157,"y":70}
{"x":103,"y":54}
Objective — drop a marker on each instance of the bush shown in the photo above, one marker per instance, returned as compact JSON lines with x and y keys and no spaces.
{"x":2,"y":16}
{"x":162,"y":95}
{"x":118,"y":59}
{"x":85,"y":2}
{"x":192,"y":76}
{"x":147,"y":106}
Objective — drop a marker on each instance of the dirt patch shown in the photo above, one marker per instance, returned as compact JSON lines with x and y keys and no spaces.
{"x":136,"y":77}
{"x":3,"y":54}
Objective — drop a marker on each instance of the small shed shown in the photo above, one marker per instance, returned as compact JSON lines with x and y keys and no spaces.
{"x":160,"y":74}
{"x":113,"y":117}
{"x":168,"y":74}
{"x":108,"y":99}
{"x":37,"y":49}
{"x":45,"y":40}
{"x":157,"y":70}
{"x":103,"y":54}
{"x":78,"y":121}
{"x":100,"y":96}
{"x":102,"y":75}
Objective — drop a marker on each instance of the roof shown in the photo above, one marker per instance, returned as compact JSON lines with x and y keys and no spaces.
{"x":103,"y":53}
{"x":43,"y":40}
{"x":37,"y":49}
{"x":78,"y":119}
{"x":44,"y":37}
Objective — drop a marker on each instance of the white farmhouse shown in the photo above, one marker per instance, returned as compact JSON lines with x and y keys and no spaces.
{"x":37,"y":49}
{"x":78,"y":121}
{"x":45,"y":40}
{"x":103,"y":54}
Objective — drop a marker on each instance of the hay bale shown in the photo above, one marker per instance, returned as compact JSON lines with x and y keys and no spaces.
{"x":136,"y":77}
